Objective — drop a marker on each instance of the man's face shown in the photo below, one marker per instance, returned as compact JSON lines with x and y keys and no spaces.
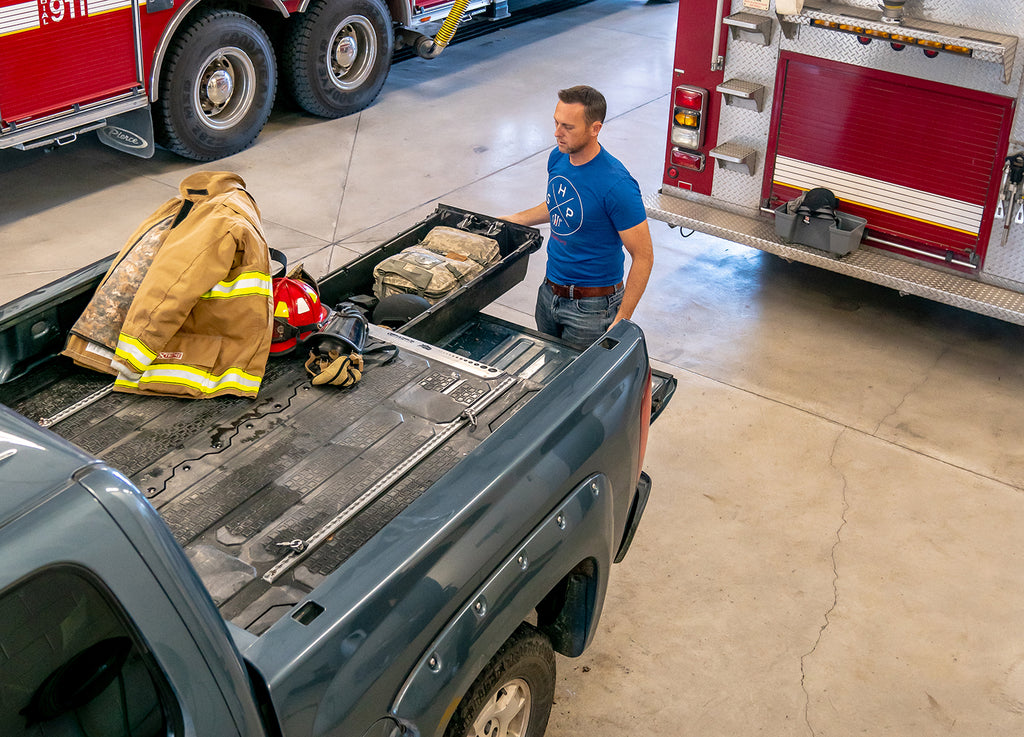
{"x":571,"y":130}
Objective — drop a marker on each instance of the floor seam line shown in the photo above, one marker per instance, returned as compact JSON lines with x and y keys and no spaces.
{"x":344,"y":187}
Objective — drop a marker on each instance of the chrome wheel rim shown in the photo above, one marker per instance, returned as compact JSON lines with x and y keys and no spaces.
{"x":506,"y":713}
{"x":226,"y":88}
{"x":351,"y":52}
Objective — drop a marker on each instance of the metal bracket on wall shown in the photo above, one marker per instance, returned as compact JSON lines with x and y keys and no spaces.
{"x":750,"y":27}
{"x":741,"y":93}
{"x":735,"y":156}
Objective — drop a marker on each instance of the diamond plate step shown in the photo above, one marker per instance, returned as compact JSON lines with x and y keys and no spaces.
{"x":864,"y":263}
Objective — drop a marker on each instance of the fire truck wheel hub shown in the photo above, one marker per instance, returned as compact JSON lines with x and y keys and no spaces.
{"x":346,"y":52}
{"x":226,"y":89}
{"x":219,"y":87}
{"x":353,"y":51}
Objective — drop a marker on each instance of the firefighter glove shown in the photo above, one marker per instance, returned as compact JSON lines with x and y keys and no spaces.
{"x":335,"y":368}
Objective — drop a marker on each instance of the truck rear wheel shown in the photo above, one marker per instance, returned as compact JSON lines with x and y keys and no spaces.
{"x":512,"y":697}
{"x":218,"y":86}
{"x":337,"y":55}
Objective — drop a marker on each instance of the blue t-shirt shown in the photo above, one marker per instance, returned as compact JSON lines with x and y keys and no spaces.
{"x":588,"y":205}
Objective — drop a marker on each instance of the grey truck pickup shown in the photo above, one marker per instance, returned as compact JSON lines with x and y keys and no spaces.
{"x":401,"y":557}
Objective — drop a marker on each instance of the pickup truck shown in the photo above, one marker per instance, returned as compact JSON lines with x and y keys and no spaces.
{"x":401,"y":557}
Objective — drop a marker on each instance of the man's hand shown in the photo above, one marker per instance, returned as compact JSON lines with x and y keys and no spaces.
{"x":537,"y":215}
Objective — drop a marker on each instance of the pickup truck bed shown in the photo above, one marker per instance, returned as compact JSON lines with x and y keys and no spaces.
{"x":269,"y":497}
{"x":376,"y":549}
{"x":236,"y":481}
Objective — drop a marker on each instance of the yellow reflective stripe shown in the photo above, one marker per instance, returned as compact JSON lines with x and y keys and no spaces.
{"x":134,"y":352}
{"x":202,"y":381}
{"x":249,"y":282}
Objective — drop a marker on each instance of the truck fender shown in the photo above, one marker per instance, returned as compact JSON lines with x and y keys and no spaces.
{"x":566,"y":614}
{"x":546,"y":566}
{"x":172,"y":27}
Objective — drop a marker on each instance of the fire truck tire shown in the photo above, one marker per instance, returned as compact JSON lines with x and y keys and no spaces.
{"x":337,"y":55}
{"x":217,"y":87}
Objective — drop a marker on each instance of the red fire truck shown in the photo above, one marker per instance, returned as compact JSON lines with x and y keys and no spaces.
{"x":906,"y":112}
{"x":200,"y":75}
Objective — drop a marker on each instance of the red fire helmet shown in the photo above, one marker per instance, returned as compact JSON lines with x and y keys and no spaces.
{"x":298,"y":313}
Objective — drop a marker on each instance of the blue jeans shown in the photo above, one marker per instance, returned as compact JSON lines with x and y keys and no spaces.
{"x":579,"y":322}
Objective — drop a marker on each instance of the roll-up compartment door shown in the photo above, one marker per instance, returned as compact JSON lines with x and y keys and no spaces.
{"x":921,"y":161}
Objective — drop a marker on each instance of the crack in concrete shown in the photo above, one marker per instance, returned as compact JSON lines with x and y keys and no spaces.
{"x":835,"y":586}
{"x":917,"y":385}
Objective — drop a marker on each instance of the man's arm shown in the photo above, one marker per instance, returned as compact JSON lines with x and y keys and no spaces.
{"x":637,"y":241}
{"x":534,"y":216}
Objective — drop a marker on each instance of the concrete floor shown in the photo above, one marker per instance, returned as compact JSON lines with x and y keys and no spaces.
{"x":832,"y":543}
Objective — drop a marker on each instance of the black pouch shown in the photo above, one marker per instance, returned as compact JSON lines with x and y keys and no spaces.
{"x":819,"y":204}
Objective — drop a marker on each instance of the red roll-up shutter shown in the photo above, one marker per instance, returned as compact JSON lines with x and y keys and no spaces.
{"x":920,"y":160}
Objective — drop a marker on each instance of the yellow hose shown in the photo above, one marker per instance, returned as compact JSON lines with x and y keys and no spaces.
{"x":451,"y":23}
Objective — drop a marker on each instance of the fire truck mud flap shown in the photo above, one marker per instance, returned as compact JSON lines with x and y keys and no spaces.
{"x":131,"y":132}
{"x":864,"y":263}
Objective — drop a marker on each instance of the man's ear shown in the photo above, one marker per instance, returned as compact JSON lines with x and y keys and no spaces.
{"x":595,"y":127}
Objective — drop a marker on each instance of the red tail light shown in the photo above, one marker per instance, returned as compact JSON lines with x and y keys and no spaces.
{"x":691,"y":98}
{"x":689,"y":105}
{"x":645,"y":424}
{"x":687,"y":159}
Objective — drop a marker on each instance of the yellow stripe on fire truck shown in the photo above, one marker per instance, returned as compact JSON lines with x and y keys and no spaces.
{"x":202,"y":381}
{"x":98,"y":7}
{"x":907,"y":202}
{"x":30,"y":16}
{"x":18,"y":18}
{"x":249,"y":282}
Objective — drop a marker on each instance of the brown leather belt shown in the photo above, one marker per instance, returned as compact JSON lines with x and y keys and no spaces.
{"x":574,"y":292}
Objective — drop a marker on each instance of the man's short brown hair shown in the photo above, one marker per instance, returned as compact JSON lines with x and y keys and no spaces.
{"x":593,"y":102}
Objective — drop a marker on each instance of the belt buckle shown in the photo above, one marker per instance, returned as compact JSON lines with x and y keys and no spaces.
{"x":571,"y":288}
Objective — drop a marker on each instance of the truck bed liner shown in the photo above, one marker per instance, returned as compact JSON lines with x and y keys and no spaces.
{"x":236,"y":480}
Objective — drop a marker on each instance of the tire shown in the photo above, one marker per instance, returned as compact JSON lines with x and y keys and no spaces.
{"x":512,"y":697}
{"x":217,"y":88}
{"x":337,"y":55}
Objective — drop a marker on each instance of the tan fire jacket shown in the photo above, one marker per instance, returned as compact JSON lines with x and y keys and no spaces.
{"x":185,"y":309}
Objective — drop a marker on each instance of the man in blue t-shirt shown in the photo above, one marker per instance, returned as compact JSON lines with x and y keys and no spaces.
{"x":595,"y":210}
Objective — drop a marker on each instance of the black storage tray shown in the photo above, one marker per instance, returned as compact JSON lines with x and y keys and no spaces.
{"x":515,"y":244}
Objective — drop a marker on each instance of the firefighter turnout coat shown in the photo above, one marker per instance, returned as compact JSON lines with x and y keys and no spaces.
{"x":185,"y":309}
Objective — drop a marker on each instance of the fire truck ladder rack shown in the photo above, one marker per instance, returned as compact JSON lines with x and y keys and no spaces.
{"x":981,"y":45}
{"x":864,"y":263}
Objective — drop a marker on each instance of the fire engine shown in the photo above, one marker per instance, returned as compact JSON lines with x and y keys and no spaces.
{"x":908,"y":112}
{"x":201,"y":75}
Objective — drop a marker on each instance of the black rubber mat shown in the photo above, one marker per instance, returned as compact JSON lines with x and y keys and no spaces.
{"x":236,"y":479}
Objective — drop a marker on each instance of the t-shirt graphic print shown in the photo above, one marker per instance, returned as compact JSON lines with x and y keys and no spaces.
{"x":564,"y":206}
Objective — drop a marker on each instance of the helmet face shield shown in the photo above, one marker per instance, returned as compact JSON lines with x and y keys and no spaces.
{"x":344,"y":332}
